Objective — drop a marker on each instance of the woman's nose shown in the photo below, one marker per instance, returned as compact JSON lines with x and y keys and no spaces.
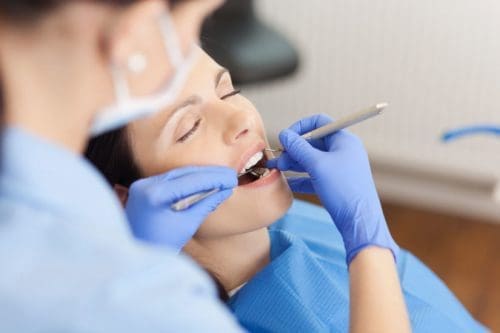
{"x":238,"y":124}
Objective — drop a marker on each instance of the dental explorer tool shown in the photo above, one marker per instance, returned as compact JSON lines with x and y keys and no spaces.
{"x":191,"y":200}
{"x":187,"y":202}
{"x":342,"y":123}
{"x":312,"y":135}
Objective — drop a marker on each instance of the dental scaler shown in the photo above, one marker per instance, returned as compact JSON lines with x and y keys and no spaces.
{"x":318,"y":133}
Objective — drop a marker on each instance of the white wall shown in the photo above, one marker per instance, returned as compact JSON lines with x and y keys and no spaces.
{"x":436,"y":62}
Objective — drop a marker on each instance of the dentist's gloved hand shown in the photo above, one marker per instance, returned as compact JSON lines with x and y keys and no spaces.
{"x":149,"y":200}
{"x":340,"y":175}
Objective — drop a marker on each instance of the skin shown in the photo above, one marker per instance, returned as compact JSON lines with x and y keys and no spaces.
{"x":377,"y":303}
{"x":54,"y":95}
{"x":213,"y":125}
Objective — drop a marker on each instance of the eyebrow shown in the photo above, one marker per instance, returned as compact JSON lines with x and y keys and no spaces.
{"x":195,"y":99}
{"x":219,"y":75}
{"x":191,"y":100}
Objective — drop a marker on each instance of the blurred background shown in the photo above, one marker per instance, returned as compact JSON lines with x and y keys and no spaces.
{"x":438,"y":65}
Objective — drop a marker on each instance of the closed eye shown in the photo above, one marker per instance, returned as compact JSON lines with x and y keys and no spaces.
{"x":198,"y":122}
{"x":232,"y":93}
{"x":190,"y":132}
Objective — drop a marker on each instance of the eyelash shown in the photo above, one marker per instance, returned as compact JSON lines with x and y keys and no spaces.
{"x":232,"y":93}
{"x":190,"y":132}
{"x":198,"y":122}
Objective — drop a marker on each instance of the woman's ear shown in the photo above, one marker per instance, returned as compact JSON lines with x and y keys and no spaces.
{"x":122,"y":193}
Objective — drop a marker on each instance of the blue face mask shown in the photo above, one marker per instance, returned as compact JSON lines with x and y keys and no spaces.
{"x":127,"y":108}
{"x":470,"y":130}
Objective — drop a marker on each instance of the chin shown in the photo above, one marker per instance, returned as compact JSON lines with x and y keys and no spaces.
{"x":249,"y":208}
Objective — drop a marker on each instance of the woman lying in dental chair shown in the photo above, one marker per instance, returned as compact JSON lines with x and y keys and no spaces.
{"x":281,"y":261}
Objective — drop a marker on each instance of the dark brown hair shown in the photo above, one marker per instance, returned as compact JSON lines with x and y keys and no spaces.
{"x":112,"y":155}
{"x":18,"y":10}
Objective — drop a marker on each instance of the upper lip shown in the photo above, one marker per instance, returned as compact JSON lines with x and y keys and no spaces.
{"x":254,"y":149}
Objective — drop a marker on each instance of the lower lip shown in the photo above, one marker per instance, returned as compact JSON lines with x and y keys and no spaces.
{"x":273,"y":176}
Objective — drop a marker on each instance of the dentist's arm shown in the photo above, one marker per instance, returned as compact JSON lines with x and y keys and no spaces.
{"x":340,"y":175}
{"x":148,"y":204}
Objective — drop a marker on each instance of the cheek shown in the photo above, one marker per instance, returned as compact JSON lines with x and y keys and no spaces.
{"x":199,"y":153}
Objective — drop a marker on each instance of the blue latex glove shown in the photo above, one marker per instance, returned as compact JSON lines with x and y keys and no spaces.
{"x":148,"y":205}
{"x":340,"y":175}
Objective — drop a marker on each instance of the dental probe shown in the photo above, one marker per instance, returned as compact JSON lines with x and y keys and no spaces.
{"x":191,"y":200}
{"x":187,"y":202}
{"x":342,"y":123}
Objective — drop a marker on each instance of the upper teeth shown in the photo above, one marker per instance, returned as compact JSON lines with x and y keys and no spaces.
{"x":252,"y":161}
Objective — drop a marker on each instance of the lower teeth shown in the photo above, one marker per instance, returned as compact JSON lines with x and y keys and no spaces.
{"x":260,"y":173}
{"x":253,"y":175}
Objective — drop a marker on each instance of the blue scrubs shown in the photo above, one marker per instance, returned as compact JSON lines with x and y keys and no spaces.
{"x":305,"y":288}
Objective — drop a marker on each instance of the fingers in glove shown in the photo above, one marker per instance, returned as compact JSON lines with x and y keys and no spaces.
{"x":211,"y":203}
{"x":284,"y":163}
{"x":184,"y":171}
{"x":167,"y":192}
{"x":343,"y":140}
{"x":310,"y":123}
{"x":298,"y":148}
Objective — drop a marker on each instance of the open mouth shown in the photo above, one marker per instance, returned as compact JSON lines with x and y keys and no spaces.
{"x":254,"y":170}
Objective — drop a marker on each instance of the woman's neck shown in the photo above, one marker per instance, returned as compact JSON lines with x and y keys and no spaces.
{"x":233,"y":260}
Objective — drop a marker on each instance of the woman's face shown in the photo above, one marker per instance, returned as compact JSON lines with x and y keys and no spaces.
{"x":212,"y":124}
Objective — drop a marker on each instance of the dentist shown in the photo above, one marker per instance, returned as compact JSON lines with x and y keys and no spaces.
{"x":69,"y":70}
